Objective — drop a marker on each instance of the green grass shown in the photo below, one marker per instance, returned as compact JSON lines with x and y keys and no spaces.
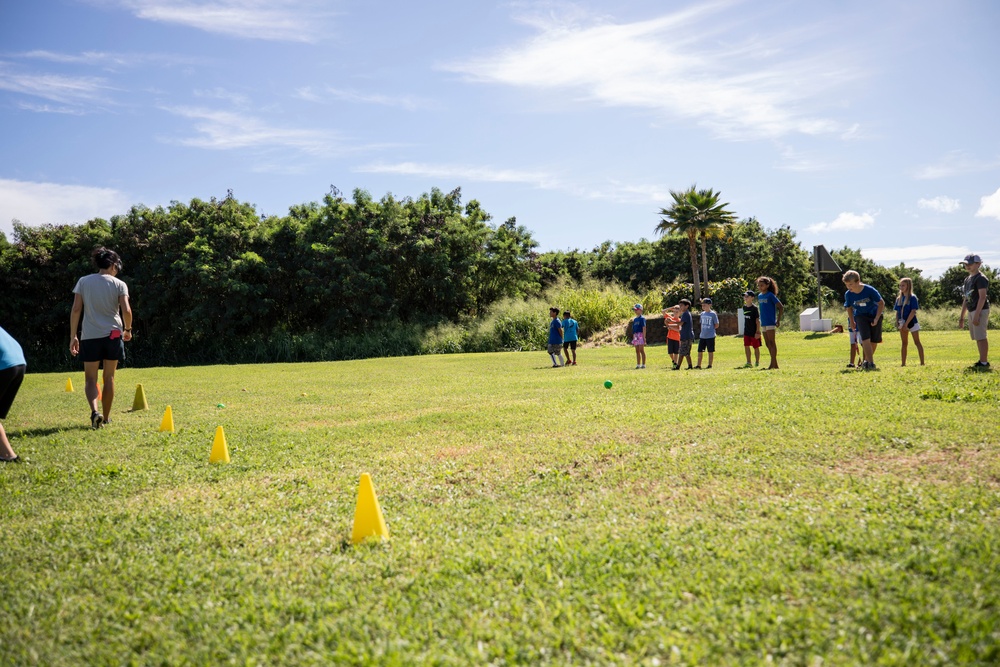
{"x":806,"y":516}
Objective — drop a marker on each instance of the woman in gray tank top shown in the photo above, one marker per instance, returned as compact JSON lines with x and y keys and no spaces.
{"x":102,"y":299}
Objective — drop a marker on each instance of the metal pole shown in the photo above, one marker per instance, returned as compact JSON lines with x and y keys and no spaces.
{"x":819,"y":284}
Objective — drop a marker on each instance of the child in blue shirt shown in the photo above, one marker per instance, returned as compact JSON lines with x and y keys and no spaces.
{"x":771,"y":310}
{"x":687,"y":335}
{"x":570,"y":336}
{"x":555,"y":339}
{"x":864,"y":307}
{"x":709,"y":323}
{"x":639,"y":336}
{"x":906,"y":308}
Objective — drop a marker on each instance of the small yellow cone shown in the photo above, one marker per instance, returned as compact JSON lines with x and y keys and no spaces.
{"x":69,"y":384}
{"x":168,"y":421}
{"x":368,"y":520}
{"x":140,"y":399}
{"x":220,"y":452}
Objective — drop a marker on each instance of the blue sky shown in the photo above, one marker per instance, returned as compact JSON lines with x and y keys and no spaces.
{"x":859,"y":123}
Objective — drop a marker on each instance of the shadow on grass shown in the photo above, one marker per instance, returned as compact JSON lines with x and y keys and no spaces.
{"x":32,"y":432}
{"x":820,"y":334}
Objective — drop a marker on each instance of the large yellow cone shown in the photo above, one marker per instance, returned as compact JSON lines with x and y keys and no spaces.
{"x":220,"y":452}
{"x":140,"y":399}
{"x":368,"y":521}
{"x":168,"y":421}
{"x":69,"y":384}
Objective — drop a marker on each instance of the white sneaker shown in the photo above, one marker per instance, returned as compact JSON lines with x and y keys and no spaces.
{"x":637,"y":367}
{"x":643,"y":366}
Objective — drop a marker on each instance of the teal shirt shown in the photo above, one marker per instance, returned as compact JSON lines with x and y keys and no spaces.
{"x":570,"y":327}
{"x":11,"y":353}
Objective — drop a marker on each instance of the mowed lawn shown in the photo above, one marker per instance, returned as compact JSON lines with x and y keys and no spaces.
{"x":806,"y":516}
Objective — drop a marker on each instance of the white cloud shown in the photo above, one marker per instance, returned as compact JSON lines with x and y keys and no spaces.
{"x":274,"y":20}
{"x":989,"y":206}
{"x":463,"y":173}
{"x":956,"y":163}
{"x":933,"y":260}
{"x":941,"y":204}
{"x":681,"y":64}
{"x":845,"y":222}
{"x":80,"y":91}
{"x":54,"y":203}
{"x":407,"y":102}
{"x":226,"y":130}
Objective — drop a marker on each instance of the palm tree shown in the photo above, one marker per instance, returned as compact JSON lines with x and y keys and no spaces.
{"x":711,"y":219}
{"x":680,"y":218}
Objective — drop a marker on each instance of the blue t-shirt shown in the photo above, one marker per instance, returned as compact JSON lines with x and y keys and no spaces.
{"x":687,"y":326}
{"x":555,"y":332}
{"x":767,"y":303}
{"x":11,"y":353}
{"x":903,"y":310}
{"x":709,"y":321}
{"x":569,"y":330}
{"x":638,"y":324}
{"x":864,"y":302}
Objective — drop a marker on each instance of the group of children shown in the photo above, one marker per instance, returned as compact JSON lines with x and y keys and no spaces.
{"x":762,"y":314}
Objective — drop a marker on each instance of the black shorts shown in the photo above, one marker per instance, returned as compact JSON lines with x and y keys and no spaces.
{"x":10,"y":382}
{"x":706,"y":344}
{"x":102,"y":349}
{"x":867,"y":330}
{"x":569,"y":345}
{"x":673,"y":346}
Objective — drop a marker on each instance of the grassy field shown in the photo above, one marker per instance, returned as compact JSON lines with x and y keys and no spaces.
{"x":804,"y":516}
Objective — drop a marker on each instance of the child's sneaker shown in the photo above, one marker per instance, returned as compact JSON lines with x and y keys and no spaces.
{"x":643,"y":366}
{"x":756,"y":363}
{"x":981,"y":366}
{"x":96,"y":420}
{"x":709,"y":366}
{"x":850,"y":365}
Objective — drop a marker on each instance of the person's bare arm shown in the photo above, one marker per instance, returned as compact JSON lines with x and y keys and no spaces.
{"x":74,"y":324}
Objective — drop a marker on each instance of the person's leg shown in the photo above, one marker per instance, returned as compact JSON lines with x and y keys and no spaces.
{"x":756,"y":356}
{"x":573,"y":348}
{"x":108,"y":397}
{"x":869,"y":352}
{"x":701,"y":351}
{"x":904,"y":336}
{"x":746,"y":349}
{"x":983,"y":344}
{"x":641,"y":349}
{"x":772,"y":348}
{"x":6,"y":451}
{"x":90,"y":371}
{"x":10,"y":383}
{"x":711,"y":355}
{"x":920,"y":348}
{"x":854,"y":352}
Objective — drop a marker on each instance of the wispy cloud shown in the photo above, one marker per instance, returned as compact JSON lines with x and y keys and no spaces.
{"x":273,"y":20}
{"x":407,"y":102}
{"x":845,"y":222}
{"x":226,"y":130}
{"x":35,"y":203}
{"x":686,"y":64}
{"x":956,"y":163}
{"x":81,"y":90}
{"x":941,"y":204}
{"x":933,"y":260}
{"x":989,"y":206}
{"x":105,"y":59}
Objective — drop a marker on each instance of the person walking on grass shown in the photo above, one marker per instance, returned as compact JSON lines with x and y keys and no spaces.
{"x":555,"y":338}
{"x":906,"y":307}
{"x":687,"y":335}
{"x":864,"y":307}
{"x":639,"y":336}
{"x":672,"y":321}
{"x":11,"y":375}
{"x":709,"y":324}
{"x":751,"y":329}
{"x":976,"y":303}
{"x":771,"y":311}
{"x":570,"y":329}
{"x":107,"y":325}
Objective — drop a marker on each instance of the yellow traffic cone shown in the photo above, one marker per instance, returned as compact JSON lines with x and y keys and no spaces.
{"x":220,"y":452}
{"x":69,"y":384}
{"x":368,"y":520}
{"x":140,"y":399}
{"x":168,"y":421}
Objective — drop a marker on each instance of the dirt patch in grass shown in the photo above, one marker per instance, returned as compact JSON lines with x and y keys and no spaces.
{"x":938,"y":466}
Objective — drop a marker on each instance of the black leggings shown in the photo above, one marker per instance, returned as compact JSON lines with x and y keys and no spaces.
{"x":10,"y":383}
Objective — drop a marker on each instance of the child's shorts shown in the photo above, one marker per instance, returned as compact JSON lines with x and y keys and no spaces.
{"x":913,"y":327}
{"x":685,"y":348}
{"x":569,"y":345}
{"x":751,"y":341}
{"x":638,"y":339}
{"x":854,"y":338}
{"x":555,"y":349}
{"x":673,"y":346}
{"x":706,"y":344}
{"x":867,"y":329}
{"x":978,"y":333}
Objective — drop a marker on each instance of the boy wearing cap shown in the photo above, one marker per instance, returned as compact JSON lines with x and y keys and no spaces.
{"x":555,"y":338}
{"x":639,"y":336}
{"x":687,"y":335}
{"x":751,"y":328}
{"x":570,"y":336}
{"x":709,"y":323}
{"x":976,"y":302}
{"x":864,"y":307}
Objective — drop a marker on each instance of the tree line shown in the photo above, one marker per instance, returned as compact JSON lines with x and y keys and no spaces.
{"x":215,"y":282}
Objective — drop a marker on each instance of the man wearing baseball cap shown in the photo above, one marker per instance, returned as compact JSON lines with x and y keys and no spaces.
{"x":977,"y":304}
